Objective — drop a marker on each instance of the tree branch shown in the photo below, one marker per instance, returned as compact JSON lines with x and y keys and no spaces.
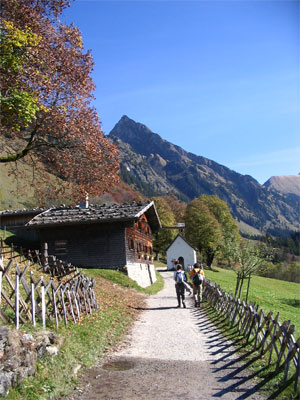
{"x":21,"y":154}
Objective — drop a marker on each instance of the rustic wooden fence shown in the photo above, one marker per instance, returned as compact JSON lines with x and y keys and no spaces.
{"x":267,"y":335}
{"x":49,"y":291}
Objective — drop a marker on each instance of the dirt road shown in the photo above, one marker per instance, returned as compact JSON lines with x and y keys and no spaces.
{"x":171,"y":353}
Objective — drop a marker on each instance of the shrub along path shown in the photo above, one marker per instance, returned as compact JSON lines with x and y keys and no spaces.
{"x":170,"y":354}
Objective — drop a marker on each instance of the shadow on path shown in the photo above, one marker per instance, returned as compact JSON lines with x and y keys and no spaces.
{"x":235,"y":361}
{"x":153,"y":308}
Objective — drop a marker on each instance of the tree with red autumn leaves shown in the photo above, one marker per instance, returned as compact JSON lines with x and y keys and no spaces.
{"x":46,"y":93}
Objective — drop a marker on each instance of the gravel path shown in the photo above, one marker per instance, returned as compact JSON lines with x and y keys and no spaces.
{"x":170,"y":354}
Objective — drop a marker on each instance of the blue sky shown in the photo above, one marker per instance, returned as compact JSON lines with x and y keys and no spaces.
{"x":219,"y":78}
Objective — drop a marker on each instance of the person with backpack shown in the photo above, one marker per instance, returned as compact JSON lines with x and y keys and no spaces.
{"x":197,"y":277}
{"x":180,"y":279}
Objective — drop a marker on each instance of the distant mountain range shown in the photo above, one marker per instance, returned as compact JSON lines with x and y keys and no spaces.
{"x":155,"y":166}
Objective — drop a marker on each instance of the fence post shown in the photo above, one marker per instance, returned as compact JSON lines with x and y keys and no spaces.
{"x":76,"y":305}
{"x":17,"y":299}
{"x":1,"y":273}
{"x":297,"y":370}
{"x":62,"y":293}
{"x":43,"y":303}
{"x":54,"y":305}
{"x":32,"y":299}
{"x":44,"y":256}
{"x":71,"y":305}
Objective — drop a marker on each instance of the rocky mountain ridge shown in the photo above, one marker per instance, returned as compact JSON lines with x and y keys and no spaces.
{"x":155,"y":166}
{"x":288,"y":184}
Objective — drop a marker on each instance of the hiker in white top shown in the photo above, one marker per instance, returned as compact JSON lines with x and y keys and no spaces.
{"x":180,"y":279}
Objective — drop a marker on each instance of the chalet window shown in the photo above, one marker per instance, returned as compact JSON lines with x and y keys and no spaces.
{"x":131,"y":244}
{"x":60,"y":247}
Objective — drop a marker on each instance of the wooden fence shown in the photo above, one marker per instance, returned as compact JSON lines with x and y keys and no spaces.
{"x":50,"y":291}
{"x":267,"y":335}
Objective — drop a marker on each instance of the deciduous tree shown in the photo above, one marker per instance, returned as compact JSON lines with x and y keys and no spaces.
{"x":46,"y":98}
{"x":163,"y":238}
{"x":229,"y":227}
{"x":177,"y":206}
{"x":247,"y":257}
{"x":203,"y":230}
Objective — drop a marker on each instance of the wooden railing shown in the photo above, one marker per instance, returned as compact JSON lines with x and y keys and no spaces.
{"x":265,"y":333}
{"x":32,"y":291}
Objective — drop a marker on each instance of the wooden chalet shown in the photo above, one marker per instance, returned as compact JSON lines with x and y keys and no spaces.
{"x":117,"y":236}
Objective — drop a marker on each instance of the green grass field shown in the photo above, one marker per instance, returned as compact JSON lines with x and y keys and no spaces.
{"x":270,"y":294}
{"x":123,"y":280}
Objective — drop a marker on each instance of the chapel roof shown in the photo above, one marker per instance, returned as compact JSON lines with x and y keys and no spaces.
{"x":179,"y":236}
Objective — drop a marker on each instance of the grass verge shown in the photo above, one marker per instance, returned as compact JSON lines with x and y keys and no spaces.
{"x":122,"y":279}
{"x":270,"y":294}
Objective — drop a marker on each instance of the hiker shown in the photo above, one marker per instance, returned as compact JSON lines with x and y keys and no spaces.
{"x":197,"y":277}
{"x":180,"y":279}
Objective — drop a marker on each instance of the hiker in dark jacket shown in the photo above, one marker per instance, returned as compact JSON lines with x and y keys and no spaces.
{"x":180,"y":279}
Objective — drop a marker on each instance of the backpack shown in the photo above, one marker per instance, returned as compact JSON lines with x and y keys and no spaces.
{"x":179,"y":277}
{"x":197,"y":279}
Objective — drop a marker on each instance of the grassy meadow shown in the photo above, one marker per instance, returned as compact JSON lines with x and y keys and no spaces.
{"x":270,"y":294}
{"x":123,"y":280}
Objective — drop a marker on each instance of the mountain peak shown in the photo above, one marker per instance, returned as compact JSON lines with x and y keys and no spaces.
{"x":155,"y":166}
{"x":138,"y":135}
{"x":288,"y":184}
{"x":125,"y":118}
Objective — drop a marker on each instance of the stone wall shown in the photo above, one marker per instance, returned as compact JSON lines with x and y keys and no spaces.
{"x":19,"y":353}
{"x":143,"y":274}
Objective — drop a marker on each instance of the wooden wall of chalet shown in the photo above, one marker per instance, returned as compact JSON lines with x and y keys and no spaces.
{"x":139,"y":242}
{"x":16,"y":222}
{"x":93,"y":245}
{"x":16,"y":219}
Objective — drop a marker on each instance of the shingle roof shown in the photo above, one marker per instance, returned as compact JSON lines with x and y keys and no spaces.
{"x":23,"y":211}
{"x":97,"y":214}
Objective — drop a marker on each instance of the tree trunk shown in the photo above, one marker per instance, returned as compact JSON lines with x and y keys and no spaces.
{"x":209,"y":258}
{"x":237,"y":285}
{"x":241,"y":285}
{"x":248,"y":288}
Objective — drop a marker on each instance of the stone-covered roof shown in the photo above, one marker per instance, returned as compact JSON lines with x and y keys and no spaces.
{"x":96,"y":214}
{"x":23,"y":211}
